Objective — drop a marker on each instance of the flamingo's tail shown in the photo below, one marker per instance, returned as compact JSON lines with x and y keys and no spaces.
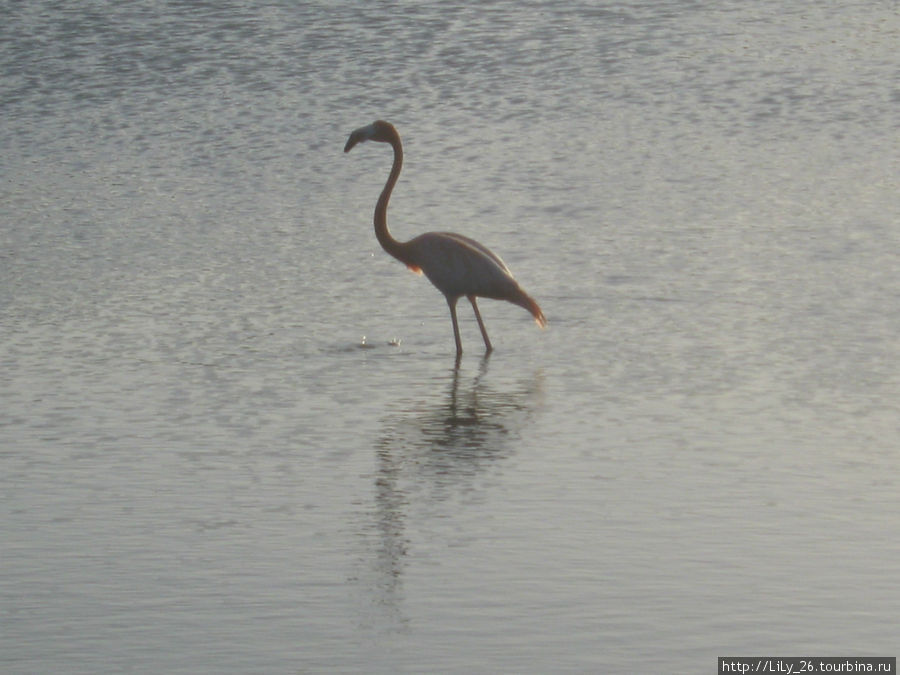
{"x":529,"y":303}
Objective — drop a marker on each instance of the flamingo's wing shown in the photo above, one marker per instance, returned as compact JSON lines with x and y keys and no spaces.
{"x":457,"y":265}
{"x":478,"y":247}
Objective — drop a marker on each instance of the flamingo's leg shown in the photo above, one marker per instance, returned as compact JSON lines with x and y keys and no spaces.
{"x":487,"y":341}
{"x":452,"y":303}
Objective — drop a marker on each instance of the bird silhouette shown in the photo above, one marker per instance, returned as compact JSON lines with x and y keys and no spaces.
{"x":456,"y":265}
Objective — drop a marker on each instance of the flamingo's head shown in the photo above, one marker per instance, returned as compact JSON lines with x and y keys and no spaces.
{"x":380,"y":131}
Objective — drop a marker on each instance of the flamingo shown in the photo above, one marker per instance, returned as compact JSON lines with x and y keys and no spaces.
{"x":456,"y":265}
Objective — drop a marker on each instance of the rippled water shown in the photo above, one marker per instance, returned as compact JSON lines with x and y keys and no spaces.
{"x":233,"y":435}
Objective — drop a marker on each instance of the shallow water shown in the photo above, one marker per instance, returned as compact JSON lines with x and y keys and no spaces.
{"x":233,"y":435}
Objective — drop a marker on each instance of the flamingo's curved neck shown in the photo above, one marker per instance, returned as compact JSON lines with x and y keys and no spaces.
{"x":388,"y":243}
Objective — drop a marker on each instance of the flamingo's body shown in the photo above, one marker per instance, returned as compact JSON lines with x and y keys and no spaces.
{"x":456,"y":265}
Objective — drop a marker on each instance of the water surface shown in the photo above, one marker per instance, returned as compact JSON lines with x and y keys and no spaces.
{"x":233,"y":434}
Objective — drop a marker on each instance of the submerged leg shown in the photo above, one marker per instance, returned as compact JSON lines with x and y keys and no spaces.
{"x":487,"y":342}
{"x":452,"y":303}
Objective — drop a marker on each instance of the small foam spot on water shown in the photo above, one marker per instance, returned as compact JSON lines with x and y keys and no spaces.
{"x":365,"y":344}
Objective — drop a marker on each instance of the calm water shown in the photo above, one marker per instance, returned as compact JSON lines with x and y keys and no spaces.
{"x":232,"y":434}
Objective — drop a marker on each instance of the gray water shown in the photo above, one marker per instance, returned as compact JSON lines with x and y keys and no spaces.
{"x":233,"y":435}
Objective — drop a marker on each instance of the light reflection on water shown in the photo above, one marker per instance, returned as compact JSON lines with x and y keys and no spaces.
{"x":430,"y":455}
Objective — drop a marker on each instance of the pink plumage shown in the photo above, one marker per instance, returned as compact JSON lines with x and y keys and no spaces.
{"x":457,"y":265}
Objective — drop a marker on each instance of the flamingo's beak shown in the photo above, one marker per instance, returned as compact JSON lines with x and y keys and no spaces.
{"x":355,"y":138}
{"x":362,"y":134}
